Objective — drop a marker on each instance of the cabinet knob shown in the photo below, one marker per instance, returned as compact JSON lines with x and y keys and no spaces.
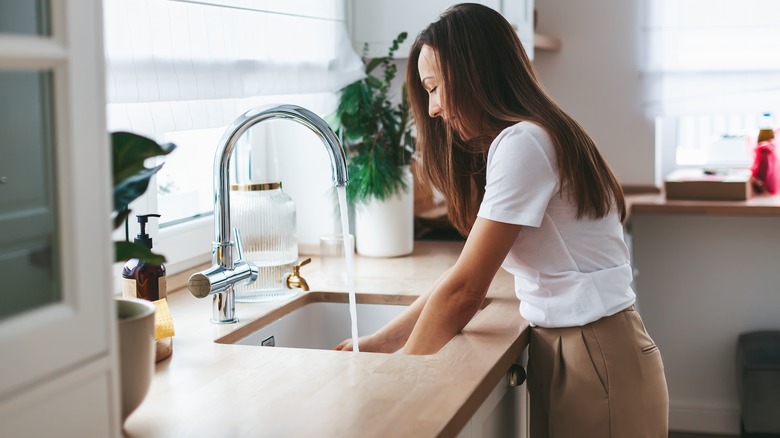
{"x":516,"y":375}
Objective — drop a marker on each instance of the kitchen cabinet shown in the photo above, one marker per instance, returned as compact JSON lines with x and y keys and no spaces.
{"x":378,"y":22}
{"x":503,"y":414}
{"x":57,"y":333}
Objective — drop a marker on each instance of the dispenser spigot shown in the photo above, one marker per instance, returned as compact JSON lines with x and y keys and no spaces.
{"x":295,"y":279}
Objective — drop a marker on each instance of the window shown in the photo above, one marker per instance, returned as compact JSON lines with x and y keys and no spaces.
{"x":181,"y":71}
{"x":712,"y":70}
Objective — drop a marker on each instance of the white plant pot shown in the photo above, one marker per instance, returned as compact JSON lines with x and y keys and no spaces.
{"x":386,"y":228}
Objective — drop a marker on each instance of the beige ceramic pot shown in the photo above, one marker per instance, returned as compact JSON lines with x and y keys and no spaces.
{"x":136,"y":350}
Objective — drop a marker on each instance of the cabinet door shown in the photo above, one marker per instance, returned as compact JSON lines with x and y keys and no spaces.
{"x":378,"y":22}
{"x":504,"y":414}
{"x":55,"y":253}
{"x":520,"y":13}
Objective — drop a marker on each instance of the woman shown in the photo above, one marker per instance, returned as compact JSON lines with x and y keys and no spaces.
{"x":533,"y":194}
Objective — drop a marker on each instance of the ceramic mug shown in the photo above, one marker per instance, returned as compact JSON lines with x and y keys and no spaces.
{"x":136,"y":350}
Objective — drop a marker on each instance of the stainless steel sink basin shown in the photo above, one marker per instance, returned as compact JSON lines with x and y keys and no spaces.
{"x":318,"y":320}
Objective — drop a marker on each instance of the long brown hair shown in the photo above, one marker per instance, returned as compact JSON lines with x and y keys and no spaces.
{"x":490,"y":85}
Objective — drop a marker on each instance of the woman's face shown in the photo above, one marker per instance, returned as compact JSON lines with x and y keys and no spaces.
{"x":431,"y":78}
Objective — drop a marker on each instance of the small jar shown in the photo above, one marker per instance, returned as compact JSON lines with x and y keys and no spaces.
{"x":265,"y":217}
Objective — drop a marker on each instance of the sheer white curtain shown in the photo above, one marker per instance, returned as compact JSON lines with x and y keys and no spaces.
{"x":181,"y":71}
{"x":180,"y":65}
{"x":712,"y":56}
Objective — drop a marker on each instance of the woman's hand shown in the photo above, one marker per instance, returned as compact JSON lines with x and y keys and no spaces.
{"x":394,"y":335}
{"x":368,"y":343}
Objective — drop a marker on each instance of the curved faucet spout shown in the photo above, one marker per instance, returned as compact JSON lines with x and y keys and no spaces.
{"x":226,"y":272}
{"x":227,"y":144}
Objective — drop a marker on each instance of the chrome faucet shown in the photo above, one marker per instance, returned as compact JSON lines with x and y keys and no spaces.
{"x":227,"y":271}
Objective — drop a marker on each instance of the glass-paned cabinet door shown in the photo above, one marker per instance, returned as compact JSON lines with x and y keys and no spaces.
{"x":25,"y":17}
{"x":56,"y":305}
{"x":28,"y":240}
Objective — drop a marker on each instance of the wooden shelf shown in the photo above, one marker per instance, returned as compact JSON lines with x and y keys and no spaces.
{"x":547,"y":43}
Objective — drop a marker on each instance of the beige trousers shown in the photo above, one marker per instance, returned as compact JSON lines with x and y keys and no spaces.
{"x":604,"y":379}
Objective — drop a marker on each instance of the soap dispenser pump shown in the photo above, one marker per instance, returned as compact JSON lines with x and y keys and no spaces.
{"x":140,"y":279}
{"x":148,"y":281}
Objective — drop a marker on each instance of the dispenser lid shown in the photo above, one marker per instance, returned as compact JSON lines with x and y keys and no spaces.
{"x":256,"y":187}
{"x":142,"y":237}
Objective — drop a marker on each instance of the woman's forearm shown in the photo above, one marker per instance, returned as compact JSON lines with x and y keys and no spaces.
{"x":397,"y":332}
{"x":450,"y":306}
{"x":459,"y":294}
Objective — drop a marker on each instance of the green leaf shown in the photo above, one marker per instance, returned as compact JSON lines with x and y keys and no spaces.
{"x":129,"y":151}
{"x":375,"y":82}
{"x":396,"y":43}
{"x":374,"y":63}
{"x":333,"y":121}
{"x":132,"y":187}
{"x":354,"y":98}
{"x":131,"y":250}
{"x":120,"y":217}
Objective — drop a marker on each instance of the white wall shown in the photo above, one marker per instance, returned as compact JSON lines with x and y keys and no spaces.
{"x":596,"y":78}
{"x":305,"y":172}
{"x":704,"y":280}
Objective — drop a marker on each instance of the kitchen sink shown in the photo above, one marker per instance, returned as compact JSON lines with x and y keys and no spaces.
{"x":318,"y":320}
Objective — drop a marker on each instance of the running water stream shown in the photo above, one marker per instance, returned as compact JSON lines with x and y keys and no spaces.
{"x":349,"y":252}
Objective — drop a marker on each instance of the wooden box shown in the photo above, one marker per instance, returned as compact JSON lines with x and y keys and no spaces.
{"x":719,"y":185}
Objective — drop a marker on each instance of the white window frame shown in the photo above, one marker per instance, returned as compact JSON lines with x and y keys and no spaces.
{"x":186,"y":244}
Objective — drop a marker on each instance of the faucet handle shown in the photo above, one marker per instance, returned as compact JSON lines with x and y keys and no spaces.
{"x":239,"y":250}
{"x":239,"y":261}
{"x":218,"y":279}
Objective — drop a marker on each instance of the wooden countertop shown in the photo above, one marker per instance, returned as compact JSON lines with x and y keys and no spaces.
{"x":656,"y":203}
{"x":210,"y":389}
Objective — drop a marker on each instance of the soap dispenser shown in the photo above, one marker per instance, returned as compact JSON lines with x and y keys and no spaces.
{"x":140,"y":279}
{"x":148,"y":281}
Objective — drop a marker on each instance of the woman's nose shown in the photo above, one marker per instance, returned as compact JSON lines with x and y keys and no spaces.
{"x":434,"y":109}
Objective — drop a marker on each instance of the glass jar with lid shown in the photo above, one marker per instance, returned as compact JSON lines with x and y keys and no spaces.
{"x":265,"y":217}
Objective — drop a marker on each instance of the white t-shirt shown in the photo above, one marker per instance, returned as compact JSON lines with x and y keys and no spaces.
{"x":568,"y":271}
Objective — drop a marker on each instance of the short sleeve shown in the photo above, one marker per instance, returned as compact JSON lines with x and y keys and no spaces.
{"x":521,"y":176}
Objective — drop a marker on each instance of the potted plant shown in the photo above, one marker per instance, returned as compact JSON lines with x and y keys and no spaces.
{"x":379,"y":143}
